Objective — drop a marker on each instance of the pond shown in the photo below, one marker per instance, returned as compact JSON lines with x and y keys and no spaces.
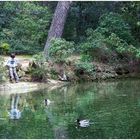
{"x":113,"y":107}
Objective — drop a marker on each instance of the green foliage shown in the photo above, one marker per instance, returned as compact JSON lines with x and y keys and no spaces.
{"x":138,"y":53}
{"x":109,"y":40}
{"x":26,"y":29}
{"x":84,"y":15}
{"x":39,"y":58}
{"x":122,"y":47}
{"x":60,"y":49}
{"x":119,"y":44}
{"x":93,"y":43}
{"x":2,"y":70}
{"x":130,"y":12}
{"x":114,"y":23}
{"x":4,"y":48}
{"x":53,"y":73}
{"x":86,"y":58}
{"x":39,"y":74}
{"x":95,"y":46}
{"x":84,"y":67}
{"x":39,"y":68}
{"x":42,"y":70}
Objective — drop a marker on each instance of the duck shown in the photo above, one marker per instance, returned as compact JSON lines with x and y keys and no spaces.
{"x":63,"y":78}
{"x":83,"y":123}
{"x":47,"y":102}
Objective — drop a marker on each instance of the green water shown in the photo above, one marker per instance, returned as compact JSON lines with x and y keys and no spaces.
{"x":114,"y":107}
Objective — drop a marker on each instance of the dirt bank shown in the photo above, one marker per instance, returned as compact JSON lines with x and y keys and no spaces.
{"x":25,"y":87}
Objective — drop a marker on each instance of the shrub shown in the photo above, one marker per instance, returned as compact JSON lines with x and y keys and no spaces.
{"x":53,"y":73}
{"x":4,"y":48}
{"x":24,"y":26}
{"x":122,"y":47}
{"x":84,"y":68}
{"x":94,"y":41}
{"x":39,"y":58}
{"x":86,"y":58}
{"x":114,"y":23}
{"x":38,"y":68}
{"x":2,"y":70}
{"x":116,"y":36}
{"x":60,"y":50}
{"x":110,"y":41}
{"x":96,"y":48}
{"x":38,"y":74}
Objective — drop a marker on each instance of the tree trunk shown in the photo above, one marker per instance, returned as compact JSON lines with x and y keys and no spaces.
{"x":58,"y":23}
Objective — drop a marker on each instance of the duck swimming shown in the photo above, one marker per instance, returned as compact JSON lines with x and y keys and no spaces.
{"x":83,"y":123}
{"x":47,"y":102}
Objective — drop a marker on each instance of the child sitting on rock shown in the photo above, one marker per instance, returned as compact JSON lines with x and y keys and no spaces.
{"x":12,"y":64}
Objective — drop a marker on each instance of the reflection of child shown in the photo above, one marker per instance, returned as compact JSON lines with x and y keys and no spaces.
{"x":12,"y":63}
{"x":14,"y":113}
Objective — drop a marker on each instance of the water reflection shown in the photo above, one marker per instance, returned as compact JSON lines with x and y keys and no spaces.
{"x":113,"y":107}
{"x":14,"y":112}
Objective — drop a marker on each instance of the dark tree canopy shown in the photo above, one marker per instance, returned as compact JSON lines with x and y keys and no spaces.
{"x":24,"y":26}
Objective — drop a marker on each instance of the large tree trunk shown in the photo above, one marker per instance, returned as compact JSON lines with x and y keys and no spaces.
{"x":58,"y":23}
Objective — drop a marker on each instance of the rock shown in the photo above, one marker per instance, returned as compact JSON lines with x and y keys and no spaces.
{"x":21,"y":73}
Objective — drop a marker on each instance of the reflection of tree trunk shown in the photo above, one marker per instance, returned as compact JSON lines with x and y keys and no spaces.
{"x":58,"y":23}
{"x":60,"y":131}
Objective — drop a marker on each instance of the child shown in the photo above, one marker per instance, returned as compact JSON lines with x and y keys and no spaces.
{"x":12,"y":63}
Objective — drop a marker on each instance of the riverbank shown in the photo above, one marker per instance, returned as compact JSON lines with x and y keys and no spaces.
{"x":25,"y":87}
{"x":100,"y":72}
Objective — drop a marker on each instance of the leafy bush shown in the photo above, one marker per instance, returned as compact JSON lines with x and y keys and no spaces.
{"x":39,"y":58}
{"x":95,"y":47}
{"x":53,"y":73}
{"x":84,"y":67}
{"x":86,"y":58}
{"x":138,"y":53}
{"x":38,"y":69}
{"x":93,"y":42}
{"x":2,"y":70}
{"x":4,"y":48}
{"x":25,"y":26}
{"x":60,"y":49}
{"x":110,"y":41}
{"x":119,"y":44}
{"x":122,"y":47}
{"x":38,"y":74}
{"x":114,"y":23}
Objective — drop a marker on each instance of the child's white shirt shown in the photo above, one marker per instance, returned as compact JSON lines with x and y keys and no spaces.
{"x":12,"y":62}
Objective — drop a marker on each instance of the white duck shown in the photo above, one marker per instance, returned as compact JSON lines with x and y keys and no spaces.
{"x":83,"y":123}
{"x":47,"y":102}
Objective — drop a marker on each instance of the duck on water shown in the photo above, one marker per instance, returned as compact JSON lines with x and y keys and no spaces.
{"x":47,"y":102}
{"x":84,"y":123}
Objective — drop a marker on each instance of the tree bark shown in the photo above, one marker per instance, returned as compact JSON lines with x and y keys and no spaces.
{"x":58,"y":22}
